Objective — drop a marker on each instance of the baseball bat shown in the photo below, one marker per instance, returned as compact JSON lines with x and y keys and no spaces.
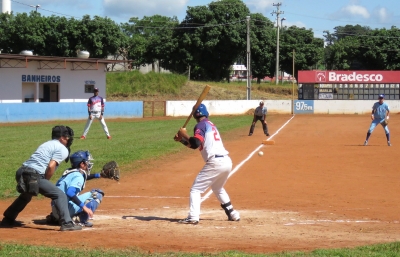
{"x":199,"y":100}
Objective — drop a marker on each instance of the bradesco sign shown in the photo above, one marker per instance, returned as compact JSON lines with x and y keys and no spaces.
{"x":349,"y":76}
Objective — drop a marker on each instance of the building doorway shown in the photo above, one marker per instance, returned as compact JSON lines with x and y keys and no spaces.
{"x":50,"y":92}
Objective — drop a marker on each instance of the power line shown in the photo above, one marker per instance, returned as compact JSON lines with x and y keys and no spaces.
{"x":41,"y":8}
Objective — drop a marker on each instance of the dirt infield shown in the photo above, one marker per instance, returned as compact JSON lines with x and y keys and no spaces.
{"x":317,"y":187}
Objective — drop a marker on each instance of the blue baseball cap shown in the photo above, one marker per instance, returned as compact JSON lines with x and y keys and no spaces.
{"x":382,"y":96}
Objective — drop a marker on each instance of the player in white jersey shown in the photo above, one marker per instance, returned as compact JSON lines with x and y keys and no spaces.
{"x":216,"y":170}
{"x":95,"y":110}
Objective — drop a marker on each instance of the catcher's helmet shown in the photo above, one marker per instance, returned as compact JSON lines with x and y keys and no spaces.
{"x":201,"y":111}
{"x":82,"y":156}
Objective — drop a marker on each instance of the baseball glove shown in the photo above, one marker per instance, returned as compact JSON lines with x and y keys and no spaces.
{"x":385,"y":122}
{"x":110,"y":170}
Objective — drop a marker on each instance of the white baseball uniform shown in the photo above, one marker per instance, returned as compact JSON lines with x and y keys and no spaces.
{"x":216,"y":170}
{"x":96,"y":105}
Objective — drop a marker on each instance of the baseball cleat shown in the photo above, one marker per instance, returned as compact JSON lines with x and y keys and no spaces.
{"x":83,"y":137}
{"x":366,"y":142}
{"x":70,"y":226}
{"x":389,"y":144}
{"x":51,"y":220}
{"x":9,"y":223}
{"x":188,"y":221}
{"x":250,"y":134}
{"x":267,"y":134}
{"x":234,"y":216}
{"x":108,"y":137}
{"x":86,"y":224}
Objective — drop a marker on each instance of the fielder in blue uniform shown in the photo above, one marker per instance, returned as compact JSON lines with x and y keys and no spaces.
{"x":380,"y":113}
{"x":72,"y":183}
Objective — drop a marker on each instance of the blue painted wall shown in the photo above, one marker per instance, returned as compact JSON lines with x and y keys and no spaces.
{"x":24,"y":112}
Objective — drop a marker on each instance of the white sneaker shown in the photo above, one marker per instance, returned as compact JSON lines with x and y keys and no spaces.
{"x":366,"y":142}
{"x":234,"y":216}
{"x":389,"y":144}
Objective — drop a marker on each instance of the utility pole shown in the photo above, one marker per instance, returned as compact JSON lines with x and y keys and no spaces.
{"x":35,"y":6}
{"x":248,"y":60}
{"x":277,"y":12}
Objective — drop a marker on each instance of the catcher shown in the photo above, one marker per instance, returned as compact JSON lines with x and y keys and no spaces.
{"x":379,"y":115}
{"x":73,"y":182}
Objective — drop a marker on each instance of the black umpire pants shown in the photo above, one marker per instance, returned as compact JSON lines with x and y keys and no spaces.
{"x":46,"y":188}
{"x":253,"y":124}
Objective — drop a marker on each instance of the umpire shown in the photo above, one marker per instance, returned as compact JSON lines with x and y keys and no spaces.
{"x":33,"y":178}
{"x":260,"y":114}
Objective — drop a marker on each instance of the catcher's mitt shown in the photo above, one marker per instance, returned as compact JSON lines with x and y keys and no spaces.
{"x":110,"y":170}
{"x":385,"y":122}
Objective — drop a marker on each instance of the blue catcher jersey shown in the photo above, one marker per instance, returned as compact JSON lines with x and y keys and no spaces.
{"x":380,"y":110}
{"x":72,"y":179}
{"x":211,"y":142}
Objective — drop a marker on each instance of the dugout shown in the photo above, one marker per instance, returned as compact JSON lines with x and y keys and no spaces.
{"x":348,"y":85}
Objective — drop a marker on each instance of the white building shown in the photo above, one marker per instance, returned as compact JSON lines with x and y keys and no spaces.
{"x":30,"y":78}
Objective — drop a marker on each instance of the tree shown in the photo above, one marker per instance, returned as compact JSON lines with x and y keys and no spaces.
{"x":100,"y":36}
{"x":309,"y":50}
{"x":210,"y":39}
{"x":154,"y":34}
{"x":262,"y":47}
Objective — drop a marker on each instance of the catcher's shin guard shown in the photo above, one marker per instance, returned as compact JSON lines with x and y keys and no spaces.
{"x":91,"y":203}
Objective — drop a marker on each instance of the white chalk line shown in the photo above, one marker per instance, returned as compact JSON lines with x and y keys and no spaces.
{"x":248,"y":158}
{"x":314,"y":222}
{"x":141,"y":196}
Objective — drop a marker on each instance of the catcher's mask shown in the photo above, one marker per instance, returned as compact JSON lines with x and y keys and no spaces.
{"x":201,"y":111}
{"x":82,"y":156}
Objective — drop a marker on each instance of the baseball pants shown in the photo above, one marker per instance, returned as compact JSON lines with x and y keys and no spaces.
{"x":75,"y":210}
{"x":46,"y":188}
{"x":96,"y":115}
{"x":253,"y":125}
{"x":214,"y":174}
{"x":375,"y":122}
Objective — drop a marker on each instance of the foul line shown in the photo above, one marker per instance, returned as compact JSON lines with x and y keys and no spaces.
{"x":248,"y":158}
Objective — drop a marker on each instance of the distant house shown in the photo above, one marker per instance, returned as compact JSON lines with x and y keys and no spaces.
{"x":239,"y":71}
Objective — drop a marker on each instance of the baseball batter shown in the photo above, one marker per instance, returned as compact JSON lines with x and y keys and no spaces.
{"x":260,"y":114}
{"x":95,"y":110}
{"x":216,"y":170}
{"x":72,"y":182}
{"x":380,"y":114}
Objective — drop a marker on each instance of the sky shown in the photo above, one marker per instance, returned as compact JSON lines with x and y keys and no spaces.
{"x":318,"y":15}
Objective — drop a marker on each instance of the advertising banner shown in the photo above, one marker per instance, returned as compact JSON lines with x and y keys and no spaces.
{"x":338,"y":77}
